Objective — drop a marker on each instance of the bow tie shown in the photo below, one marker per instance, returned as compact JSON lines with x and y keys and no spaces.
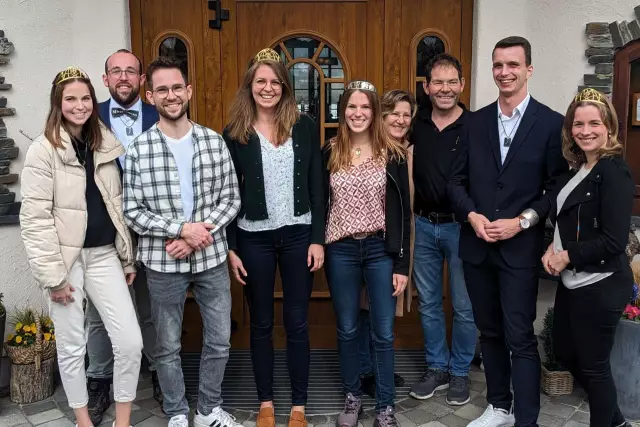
{"x":117,"y":112}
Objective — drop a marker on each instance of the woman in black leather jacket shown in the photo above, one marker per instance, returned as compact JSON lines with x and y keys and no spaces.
{"x":592,"y":214}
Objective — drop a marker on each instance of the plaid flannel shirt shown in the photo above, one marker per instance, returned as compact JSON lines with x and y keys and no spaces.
{"x":153,"y":205}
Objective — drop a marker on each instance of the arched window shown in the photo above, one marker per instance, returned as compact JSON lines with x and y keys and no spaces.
{"x":178,"y":47}
{"x":318,"y":76}
{"x":426,"y":45}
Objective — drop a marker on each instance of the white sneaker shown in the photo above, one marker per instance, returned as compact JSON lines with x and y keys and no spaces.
{"x":217,"y":418}
{"x":493,"y":417}
{"x":178,"y":421}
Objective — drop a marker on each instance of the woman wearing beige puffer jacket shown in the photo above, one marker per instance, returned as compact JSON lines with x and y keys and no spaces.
{"x":76,"y":239}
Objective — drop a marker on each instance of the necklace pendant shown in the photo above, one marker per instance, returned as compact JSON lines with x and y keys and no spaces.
{"x":507,"y":141}
{"x":358,"y":151}
{"x":129,"y":131}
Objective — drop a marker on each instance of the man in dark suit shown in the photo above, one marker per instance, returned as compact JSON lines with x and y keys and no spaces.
{"x":511,"y":157}
{"x":127,"y":116}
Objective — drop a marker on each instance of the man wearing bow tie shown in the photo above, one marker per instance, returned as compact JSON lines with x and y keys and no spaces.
{"x":127,"y":116}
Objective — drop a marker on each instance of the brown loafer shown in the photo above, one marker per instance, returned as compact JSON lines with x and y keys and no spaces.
{"x":297,"y":419}
{"x":266,"y":417}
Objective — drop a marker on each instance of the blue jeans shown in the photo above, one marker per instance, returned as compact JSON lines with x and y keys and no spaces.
{"x":349,"y":263}
{"x":364,"y":344}
{"x":168,"y":292}
{"x":433,"y":244}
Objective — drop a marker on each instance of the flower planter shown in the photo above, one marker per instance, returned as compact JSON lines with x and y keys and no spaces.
{"x":556,"y":383}
{"x":625,"y":366}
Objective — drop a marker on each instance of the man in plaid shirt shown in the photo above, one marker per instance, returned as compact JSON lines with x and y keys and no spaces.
{"x":180,"y":193}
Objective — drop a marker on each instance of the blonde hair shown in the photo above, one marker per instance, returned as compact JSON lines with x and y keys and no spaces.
{"x":243,"y":111}
{"x":383,"y":145}
{"x":391,"y":98}
{"x":570,"y":149}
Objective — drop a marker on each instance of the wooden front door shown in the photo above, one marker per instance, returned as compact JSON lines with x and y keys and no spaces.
{"x":324,"y":44}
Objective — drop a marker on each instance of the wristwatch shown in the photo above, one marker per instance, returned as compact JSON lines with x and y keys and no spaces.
{"x":524,"y":222}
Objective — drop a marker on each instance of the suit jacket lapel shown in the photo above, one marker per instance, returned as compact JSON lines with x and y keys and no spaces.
{"x":149,"y":116}
{"x":527,"y":121}
{"x":103,"y":112}
{"x":494,"y":136}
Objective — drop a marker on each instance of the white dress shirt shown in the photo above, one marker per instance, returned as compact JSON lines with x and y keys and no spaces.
{"x":120,"y":124}
{"x":508,"y":126}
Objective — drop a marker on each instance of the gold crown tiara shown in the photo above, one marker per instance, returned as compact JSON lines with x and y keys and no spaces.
{"x":361,"y":85}
{"x":590,"y":95}
{"x":267,"y":54}
{"x":72,"y":72}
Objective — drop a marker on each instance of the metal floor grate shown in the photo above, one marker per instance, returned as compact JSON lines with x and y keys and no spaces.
{"x":325,"y":386}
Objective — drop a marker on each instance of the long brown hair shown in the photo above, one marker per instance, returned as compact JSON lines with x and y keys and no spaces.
{"x":244,"y":112}
{"x":91,"y":130}
{"x":382,"y":144}
{"x":570,"y":149}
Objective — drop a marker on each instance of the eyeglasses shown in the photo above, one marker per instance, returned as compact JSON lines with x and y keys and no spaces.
{"x":439,"y":84}
{"x":129,"y":72}
{"x":275,"y":84}
{"x":163,"y":91}
{"x":397,"y":116}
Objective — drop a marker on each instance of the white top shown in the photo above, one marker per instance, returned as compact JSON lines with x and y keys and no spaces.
{"x":182,"y":150}
{"x":570,"y":278}
{"x":508,"y":126}
{"x":277,"y":169}
{"x":120,"y":124}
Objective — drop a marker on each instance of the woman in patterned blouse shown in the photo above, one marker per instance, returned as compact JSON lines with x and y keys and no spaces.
{"x":367,"y":236}
{"x":276,"y":154}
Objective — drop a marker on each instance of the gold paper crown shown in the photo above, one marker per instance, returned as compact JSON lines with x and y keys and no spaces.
{"x":267,"y":54}
{"x":361,"y":85}
{"x":590,"y":95}
{"x":72,"y":72}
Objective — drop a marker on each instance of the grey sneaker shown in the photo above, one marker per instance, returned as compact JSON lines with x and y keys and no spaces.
{"x":458,"y":393}
{"x":352,"y":408}
{"x":386,"y":419}
{"x":430,"y":382}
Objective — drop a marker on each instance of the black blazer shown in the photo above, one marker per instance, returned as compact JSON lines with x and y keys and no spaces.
{"x":481,"y":183}
{"x":601,"y":204}
{"x":307,"y":179}
{"x":149,"y":115}
{"x":397,"y":209}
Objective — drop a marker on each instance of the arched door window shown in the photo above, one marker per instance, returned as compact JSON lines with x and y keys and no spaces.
{"x":425,"y":46}
{"x":318,"y":78}
{"x":178,"y":48}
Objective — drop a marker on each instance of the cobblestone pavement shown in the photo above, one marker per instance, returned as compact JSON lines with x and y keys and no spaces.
{"x":569,"y":411}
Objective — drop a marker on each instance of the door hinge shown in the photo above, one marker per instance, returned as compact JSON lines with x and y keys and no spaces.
{"x":221,"y":14}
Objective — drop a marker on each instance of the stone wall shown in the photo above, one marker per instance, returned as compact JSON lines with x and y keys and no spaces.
{"x":9,"y":208}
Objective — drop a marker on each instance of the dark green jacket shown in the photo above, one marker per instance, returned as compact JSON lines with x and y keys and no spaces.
{"x":308,"y":188}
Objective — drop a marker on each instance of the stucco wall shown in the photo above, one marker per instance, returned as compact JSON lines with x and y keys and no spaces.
{"x":49,"y":35}
{"x":555,"y":29}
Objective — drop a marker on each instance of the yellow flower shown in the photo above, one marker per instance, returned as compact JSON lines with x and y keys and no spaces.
{"x":18,"y":339}
{"x":33,"y":327}
{"x":10,"y":337}
{"x":26,"y":328}
{"x":53,"y":337}
{"x":47,"y":337}
{"x":18,"y":326}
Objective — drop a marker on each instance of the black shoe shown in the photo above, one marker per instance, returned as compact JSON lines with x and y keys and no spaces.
{"x":458,"y":393}
{"x":99,"y":402}
{"x":368,"y":384}
{"x":157,"y":391}
{"x":430,"y":382}
{"x":398,"y":380}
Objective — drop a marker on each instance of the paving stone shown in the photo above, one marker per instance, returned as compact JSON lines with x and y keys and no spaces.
{"x":159,"y":422}
{"x":480,"y":402}
{"x":63,"y":405}
{"x":584,"y":407}
{"x":411,"y":403}
{"x":12,"y":419}
{"x":433,"y":424}
{"x":477,"y":376}
{"x":404,"y":421}
{"x":60,"y":422}
{"x":143,"y":394}
{"x":580,"y":417}
{"x":316,"y":419}
{"x":362,"y":423}
{"x":158,"y":412}
{"x":477,"y":386}
{"x":469,"y":412}
{"x":569,"y":399}
{"x":139,"y":416}
{"x":452,"y":420}
{"x":36,"y":408}
{"x":436,"y":409}
{"x":575,"y":424}
{"x":557,"y":410}
{"x":549,"y":421}
{"x":148,"y":404}
{"x":46,"y":416}
{"x":419,"y":417}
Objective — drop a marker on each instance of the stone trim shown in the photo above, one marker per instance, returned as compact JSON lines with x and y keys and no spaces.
{"x":9,"y":208}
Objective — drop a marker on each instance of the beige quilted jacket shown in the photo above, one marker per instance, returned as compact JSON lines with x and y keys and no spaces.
{"x":53,"y":216}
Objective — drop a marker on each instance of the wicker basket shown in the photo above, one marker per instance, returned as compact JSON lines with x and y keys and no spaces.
{"x":556,"y":383}
{"x":41,"y":350}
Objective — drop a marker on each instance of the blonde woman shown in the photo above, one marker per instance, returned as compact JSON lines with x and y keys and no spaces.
{"x":76,"y":239}
{"x":592,"y":214}
{"x":276,"y":153}
{"x":368,"y":230}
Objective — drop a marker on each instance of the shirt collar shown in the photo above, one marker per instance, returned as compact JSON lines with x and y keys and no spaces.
{"x":135,"y":107}
{"x":520,"y":108}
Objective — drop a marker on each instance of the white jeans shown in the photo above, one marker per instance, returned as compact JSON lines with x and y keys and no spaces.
{"x":97,"y":274}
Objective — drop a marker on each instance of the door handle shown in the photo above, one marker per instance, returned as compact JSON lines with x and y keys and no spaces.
{"x":221,"y":14}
